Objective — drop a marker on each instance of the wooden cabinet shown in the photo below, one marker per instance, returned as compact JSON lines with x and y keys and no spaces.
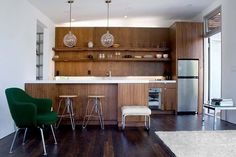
{"x":186,"y":39}
{"x":52,"y":91}
{"x":189,"y":40}
{"x":169,"y":98}
{"x":132,"y":94}
{"x":116,"y":96}
{"x":168,"y":95}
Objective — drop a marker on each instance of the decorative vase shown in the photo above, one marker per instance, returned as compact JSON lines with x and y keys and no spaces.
{"x":90,"y":44}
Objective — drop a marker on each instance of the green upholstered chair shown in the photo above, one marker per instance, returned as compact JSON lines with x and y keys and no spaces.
{"x":27,"y":111}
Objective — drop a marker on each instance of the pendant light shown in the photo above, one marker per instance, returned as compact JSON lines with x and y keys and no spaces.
{"x":70,"y":39}
{"x":107,"y":39}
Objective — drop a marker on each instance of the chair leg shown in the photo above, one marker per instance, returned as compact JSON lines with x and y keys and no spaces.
{"x":149,"y":125}
{"x":55,"y":140}
{"x":44,"y":148}
{"x":145,"y":121}
{"x":123,"y":122}
{"x":26,"y":129}
{"x":12,"y":144}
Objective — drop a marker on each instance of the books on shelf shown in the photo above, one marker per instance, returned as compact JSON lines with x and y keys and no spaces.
{"x":222,"y":102}
{"x":226,"y":102}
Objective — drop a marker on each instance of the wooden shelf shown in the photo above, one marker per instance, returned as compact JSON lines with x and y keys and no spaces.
{"x":112,"y":60}
{"x":76,"y":49}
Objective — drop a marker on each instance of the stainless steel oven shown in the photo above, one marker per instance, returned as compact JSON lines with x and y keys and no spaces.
{"x":154,"y":98}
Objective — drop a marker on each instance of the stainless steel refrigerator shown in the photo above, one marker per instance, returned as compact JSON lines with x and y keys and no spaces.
{"x":187,"y":85}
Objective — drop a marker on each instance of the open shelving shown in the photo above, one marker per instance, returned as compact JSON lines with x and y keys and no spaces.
{"x":111,"y":49}
{"x":111,"y":60}
{"x":76,"y":49}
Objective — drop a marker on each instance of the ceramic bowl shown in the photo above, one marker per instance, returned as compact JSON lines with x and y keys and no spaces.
{"x":116,"y":45}
{"x":165,"y":55}
{"x":158,"y":55}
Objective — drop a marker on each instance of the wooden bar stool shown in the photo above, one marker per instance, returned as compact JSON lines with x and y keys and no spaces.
{"x":94,"y":109}
{"x":68,"y":111}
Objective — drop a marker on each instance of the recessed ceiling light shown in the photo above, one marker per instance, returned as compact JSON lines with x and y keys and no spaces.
{"x":125,"y":16}
{"x":72,"y":19}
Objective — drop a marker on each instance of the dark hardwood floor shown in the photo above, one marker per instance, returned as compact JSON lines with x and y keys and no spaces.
{"x":111,"y":142}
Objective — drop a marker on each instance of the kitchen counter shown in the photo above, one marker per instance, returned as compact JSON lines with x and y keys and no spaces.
{"x":104,"y":80}
{"x":118,"y":91}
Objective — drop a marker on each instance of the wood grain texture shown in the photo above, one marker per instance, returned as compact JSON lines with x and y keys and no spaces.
{"x":39,"y":90}
{"x":125,"y":36}
{"x":132,"y":41}
{"x":186,"y":39}
{"x":170,"y":99}
{"x":168,"y":95}
{"x":189,"y":40}
{"x":132,"y":94}
{"x":117,"y":68}
{"x":52,"y":91}
{"x":94,"y":142}
{"x":173,"y":52}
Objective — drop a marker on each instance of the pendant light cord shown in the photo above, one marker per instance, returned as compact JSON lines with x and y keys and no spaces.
{"x":70,"y":39}
{"x":108,"y":13}
{"x":70,"y":13}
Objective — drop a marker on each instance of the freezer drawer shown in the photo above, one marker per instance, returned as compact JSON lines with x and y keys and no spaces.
{"x":187,"y":95}
{"x":187,"y":68}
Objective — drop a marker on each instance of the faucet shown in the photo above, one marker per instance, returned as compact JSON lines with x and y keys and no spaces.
{"x":108,"y":73}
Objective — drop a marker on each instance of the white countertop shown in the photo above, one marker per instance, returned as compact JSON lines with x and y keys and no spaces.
{"x":104,"y":80}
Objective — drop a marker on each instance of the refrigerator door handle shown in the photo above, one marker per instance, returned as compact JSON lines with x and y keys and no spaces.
{"x":187,"y":77}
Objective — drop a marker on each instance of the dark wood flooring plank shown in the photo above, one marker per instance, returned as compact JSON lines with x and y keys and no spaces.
{"x":110,"y":142}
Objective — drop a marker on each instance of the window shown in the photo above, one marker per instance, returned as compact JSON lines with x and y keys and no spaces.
{"x":212,"y":22}
{"x":39,"y":56}
{"x":212,"y":55}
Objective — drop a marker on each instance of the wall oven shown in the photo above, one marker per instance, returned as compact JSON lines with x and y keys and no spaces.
{"x":154,"y":98}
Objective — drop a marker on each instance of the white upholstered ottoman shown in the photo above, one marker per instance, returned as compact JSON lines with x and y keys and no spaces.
{"x":136,"y":111}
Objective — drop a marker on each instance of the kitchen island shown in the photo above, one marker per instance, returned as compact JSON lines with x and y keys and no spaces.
{"x":118,"y":91}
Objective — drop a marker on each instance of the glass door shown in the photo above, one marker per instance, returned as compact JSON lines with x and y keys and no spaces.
{"x":212,"y":55}
{"x":214,"y":74}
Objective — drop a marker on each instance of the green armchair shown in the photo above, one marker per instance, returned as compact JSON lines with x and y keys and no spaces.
{"x":27,"y":111}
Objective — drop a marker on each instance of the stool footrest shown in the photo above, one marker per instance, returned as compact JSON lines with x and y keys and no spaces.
{"x":94,"y":110}
{"x":68,"y":105}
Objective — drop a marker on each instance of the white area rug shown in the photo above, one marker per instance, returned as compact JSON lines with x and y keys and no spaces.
{"x":200,"y":143}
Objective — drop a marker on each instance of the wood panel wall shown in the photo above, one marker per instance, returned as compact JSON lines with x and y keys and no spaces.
{"x":52,"y":91}
{"x":186,"y":39}
{"x":126,"y":37}
{"x":116,"y":96}
{"x":132,"y":94}
{"x":117,"y":68}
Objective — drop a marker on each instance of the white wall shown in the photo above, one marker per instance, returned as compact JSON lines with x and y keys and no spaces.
{"x":228,"y":50}
{"x":17,"y":51}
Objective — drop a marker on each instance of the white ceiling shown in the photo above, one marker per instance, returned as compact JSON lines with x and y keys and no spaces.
{"x":147,"y":12}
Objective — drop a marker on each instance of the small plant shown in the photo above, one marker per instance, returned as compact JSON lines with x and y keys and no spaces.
{"x":167,"y":75}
